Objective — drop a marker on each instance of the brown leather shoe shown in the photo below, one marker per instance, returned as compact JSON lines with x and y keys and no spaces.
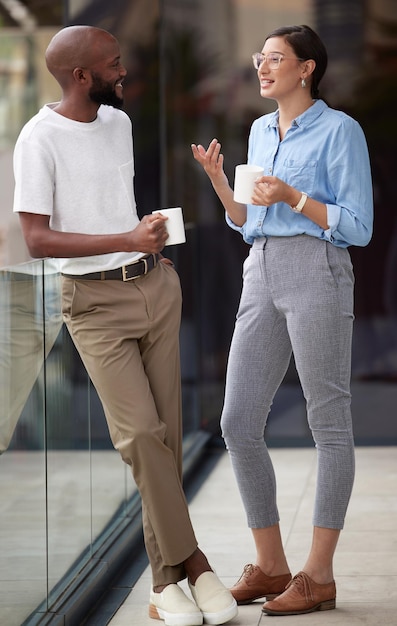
{"x":254,"y":584}
{"x":302,"y":595}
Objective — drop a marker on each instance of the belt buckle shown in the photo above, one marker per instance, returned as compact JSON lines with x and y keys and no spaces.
{"x":124,"y":271}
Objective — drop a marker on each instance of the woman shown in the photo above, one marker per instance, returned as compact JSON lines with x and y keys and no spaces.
{"x":314,"y":201}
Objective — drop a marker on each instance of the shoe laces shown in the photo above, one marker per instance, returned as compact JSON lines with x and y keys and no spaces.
{"x":248,"y":570}
{"x":302,"y":582}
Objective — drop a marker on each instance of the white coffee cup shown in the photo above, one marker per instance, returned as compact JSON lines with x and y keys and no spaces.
{"x":174,"y":225}
{"x":244,"y":182}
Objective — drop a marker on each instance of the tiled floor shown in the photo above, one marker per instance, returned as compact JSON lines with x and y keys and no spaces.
{"x":366,"y":560}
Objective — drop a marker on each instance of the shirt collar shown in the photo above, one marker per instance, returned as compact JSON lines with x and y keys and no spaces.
{"x":303,"y":120}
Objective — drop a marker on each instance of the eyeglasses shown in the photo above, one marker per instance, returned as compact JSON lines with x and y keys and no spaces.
{"x":273,"y":59}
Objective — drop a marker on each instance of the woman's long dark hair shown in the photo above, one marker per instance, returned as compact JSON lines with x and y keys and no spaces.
{"x":306,"y":45}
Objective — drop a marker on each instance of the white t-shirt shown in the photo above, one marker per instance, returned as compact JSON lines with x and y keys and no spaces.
{"x":81,"y":174}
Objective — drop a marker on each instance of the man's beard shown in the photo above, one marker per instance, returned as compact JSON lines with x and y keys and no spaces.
{"x":104,"y":93}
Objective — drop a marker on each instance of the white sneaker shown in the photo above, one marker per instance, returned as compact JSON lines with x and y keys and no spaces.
{"x":213,"y":599}
{"x":174,"y":607}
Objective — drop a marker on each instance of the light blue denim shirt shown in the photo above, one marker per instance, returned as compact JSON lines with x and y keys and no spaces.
{"x":325,"y":155}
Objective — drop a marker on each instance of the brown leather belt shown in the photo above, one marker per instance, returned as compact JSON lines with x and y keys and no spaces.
{"x":127,"y":272}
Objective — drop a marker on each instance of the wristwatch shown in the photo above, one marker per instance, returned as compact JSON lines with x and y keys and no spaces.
{"x":298,"y":208}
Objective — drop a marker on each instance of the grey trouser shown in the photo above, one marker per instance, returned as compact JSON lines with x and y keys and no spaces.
{"x":127,"y":334}
{"x":297,"y":297}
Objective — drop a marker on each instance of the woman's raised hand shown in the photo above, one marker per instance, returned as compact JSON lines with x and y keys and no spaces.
{"x":211,"y":160}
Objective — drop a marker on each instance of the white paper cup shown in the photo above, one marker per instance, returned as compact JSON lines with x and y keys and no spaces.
{"x":174,"y":225}
{"x":244,"y":182}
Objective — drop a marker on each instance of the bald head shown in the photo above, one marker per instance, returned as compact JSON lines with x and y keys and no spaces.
{"x":76,"y":46}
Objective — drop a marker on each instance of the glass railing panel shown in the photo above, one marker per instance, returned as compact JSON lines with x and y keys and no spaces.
{"x":23,"y":571}
{"x":24,"y":324}
{"x":30,"y":324}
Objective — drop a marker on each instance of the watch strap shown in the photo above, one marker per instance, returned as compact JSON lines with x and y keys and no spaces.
{"x":298,"y":208}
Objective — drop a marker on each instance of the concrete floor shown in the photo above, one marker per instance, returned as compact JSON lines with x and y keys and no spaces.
{"x":366,"y":559}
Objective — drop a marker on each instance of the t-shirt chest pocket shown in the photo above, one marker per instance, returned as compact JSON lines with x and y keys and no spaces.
{"x":300,"y":174}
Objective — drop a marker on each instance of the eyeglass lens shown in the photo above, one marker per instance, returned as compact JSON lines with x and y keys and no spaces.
{"x":272,"y":60}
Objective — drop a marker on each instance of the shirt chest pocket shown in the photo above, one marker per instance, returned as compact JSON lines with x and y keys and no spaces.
{"x":300,"y":174}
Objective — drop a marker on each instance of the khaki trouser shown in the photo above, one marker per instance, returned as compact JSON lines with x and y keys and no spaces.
{"x":127,"y":334}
